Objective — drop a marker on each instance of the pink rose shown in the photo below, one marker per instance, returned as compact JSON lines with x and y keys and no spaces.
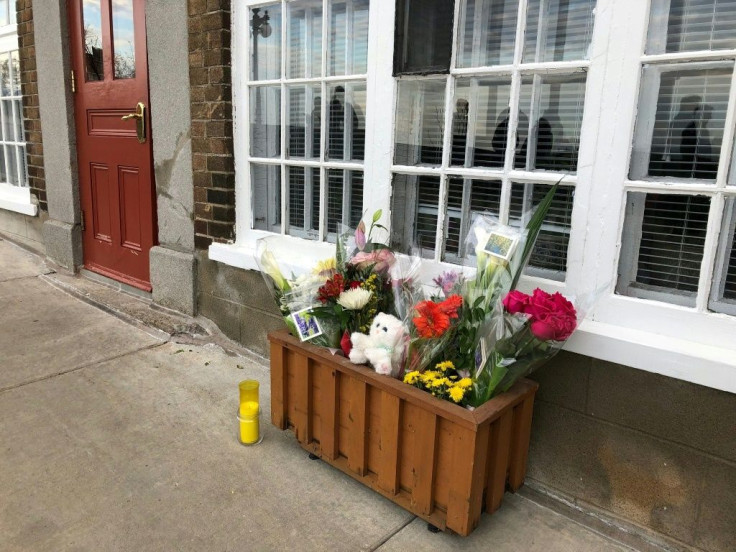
{"x":382,"y":259}
{"x":553,"y":326}
{"x":515,"y":301}
{"x":553,"y":317}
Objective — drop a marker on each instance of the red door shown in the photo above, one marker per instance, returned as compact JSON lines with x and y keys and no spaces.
{"x":109,"y":61}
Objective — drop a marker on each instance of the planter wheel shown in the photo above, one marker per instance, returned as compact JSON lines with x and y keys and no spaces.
{"x":313,"y":456}
{"x":433,"y":528}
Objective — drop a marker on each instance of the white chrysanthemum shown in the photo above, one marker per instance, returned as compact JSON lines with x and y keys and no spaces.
{"x":354,"y":299}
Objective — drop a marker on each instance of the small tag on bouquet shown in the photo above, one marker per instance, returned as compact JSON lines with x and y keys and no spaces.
{"x":307,"y":325}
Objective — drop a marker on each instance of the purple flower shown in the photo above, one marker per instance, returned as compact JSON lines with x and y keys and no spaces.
{"x":446,"y":281}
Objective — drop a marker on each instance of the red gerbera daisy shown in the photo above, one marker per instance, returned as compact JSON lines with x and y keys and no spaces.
{"x":450,"y":305}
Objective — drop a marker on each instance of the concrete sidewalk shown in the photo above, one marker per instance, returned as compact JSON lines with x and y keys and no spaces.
{"x":115,"y":438}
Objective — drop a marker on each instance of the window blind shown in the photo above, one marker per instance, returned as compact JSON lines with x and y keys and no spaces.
{"x":691,"y":25}
{"x":488,"y":33}
{"x":688,"y":124}
{"x":562,"y":33}
{"x":671,"y":230}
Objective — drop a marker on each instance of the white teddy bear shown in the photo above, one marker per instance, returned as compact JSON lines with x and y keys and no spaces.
{"x":383,"y":347}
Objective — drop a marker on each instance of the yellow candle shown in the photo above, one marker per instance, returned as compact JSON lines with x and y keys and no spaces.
{"x":248,"y":392}
{"x":248,"y":419}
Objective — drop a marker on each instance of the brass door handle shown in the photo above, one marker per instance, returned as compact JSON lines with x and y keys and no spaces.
{"x":140,"y":117}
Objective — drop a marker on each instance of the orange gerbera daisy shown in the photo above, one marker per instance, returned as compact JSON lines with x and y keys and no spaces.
{"x":431,"y":321}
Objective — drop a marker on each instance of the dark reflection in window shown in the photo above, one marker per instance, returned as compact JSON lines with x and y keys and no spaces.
{"x":346,"y":125}
{"x":689,"y":122}
{"x":92,"y":19}
{"x":423,"y":41}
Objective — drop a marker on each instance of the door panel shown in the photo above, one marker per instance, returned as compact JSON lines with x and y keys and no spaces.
{"x":115,"y":168}
{"x":101,"y":202}
{"x":130,"y":229}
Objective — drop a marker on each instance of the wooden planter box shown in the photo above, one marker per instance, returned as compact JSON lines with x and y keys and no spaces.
{"x":439,"y":461}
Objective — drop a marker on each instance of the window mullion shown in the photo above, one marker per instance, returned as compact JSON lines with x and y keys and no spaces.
{"x":728,"y":136}
{"x":513,"y":115}
{"x":710,"y":252}
{"x":323,"y":122}
{"x":282,"y":119}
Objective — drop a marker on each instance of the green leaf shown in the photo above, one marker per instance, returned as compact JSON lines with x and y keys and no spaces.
{"x":533,"y":227}
{"x":377,"y":215}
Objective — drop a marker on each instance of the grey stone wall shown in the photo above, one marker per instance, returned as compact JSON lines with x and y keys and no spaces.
{"x":656,"y":451}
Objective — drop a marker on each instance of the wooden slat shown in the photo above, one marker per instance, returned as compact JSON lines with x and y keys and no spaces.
{"x":278,"y":386}
{"x":396,"y":387}
{"x":357,"y":457}
{"x":425,"y":444}
{"x":521,"y":432}
{"x":498,"y":461}
{"x":302,"y":399}
{"x":388,"y":471}
{"x":469,"y":455}
{"x":331,"y":400}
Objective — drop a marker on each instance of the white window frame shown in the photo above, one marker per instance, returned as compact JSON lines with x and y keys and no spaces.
{"x":15,"y":198}
{"x":687,"y":343}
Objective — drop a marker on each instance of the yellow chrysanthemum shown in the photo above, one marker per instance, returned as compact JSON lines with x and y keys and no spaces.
{"x":464,"y":383}
{"x":457,"y":394}
{"x":411,"y":377}
{"x":325,"y":267}
{"x":446,"y":365}
{"x":439,"y":382}
{"x":429,"y":375}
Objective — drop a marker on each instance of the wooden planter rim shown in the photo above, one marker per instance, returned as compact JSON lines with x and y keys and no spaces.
{"x":468,"y":419}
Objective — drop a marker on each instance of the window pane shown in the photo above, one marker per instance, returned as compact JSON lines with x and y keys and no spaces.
{"x":414,"y":209}
{"x":303,"y":201}
{"x":684,"y":134}
{"x":487,"y":32}
{"x":15,"y":73}
{"x":92,"y":19}
{"x":423,"y":41}
{"x":344,"y":199}
{"x":689,"y":25}
{"x":664,"y":237}
{"x":305,"y":39}
{"x":465,"y":199}
{"x":265,"y":37}
{"x":550,"y":116}
{"x":558,"y":30}
{"x":5,"y":74}
{"x":346,"y":121}
{"x":8,"y":122}
{"x":549,"y":257}
{"x":265,"y":115}
{"x":3,"y":167}
{"x":11,"y":157}
{"x":724,"y":279}
{"x":18,"y":115}
{"x":304,"y":121}
{"x":265,"y":183}
{"x":348,"y":53}
{"x":21,"y":153}
{"x":480,"y":122}
{"x":420,"y":121}
{"x":4,"y":11}
{"x":123,"y":39}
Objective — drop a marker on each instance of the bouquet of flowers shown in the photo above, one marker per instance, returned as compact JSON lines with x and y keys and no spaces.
{"x":528,"y":331}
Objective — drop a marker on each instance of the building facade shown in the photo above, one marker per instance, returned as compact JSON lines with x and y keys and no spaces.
{"x":289,"y":118}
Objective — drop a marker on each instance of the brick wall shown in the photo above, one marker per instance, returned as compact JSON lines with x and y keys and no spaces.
{"x":31,"y":114}
{"x":212,"y":121}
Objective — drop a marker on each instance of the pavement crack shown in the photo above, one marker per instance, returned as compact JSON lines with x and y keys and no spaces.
{"x":82,"y":367}
{"x":393,"y":534}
